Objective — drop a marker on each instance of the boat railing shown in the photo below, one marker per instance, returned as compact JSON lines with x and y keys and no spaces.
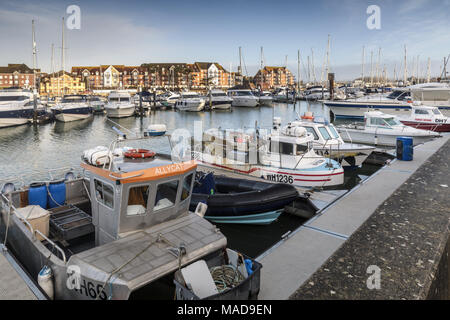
{"x":12,"y":209}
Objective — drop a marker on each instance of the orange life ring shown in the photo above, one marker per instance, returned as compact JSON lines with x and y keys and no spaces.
{"x":139,"y":154}
{"x":307,"y":117}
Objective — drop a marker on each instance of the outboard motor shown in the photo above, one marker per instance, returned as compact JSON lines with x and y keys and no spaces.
{"x":45,"y":280}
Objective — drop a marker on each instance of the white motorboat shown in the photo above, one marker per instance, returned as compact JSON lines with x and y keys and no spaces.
{"x":433,"y":94}
{"x":266,"y":98}
{"x":284,"y":95}
{"x":17,"y":107}
{"x":218,"y":100}
{"x":243,"y":98}
{"x":327,"y":141}
{"x":72,"y":108}
{"x":190,"y":101}
{"x":316,"y":93}
{"x":383,"y":129}
{"x":283,"y":155}
{"x":119,"y":105}
{"x":97,"y":104}
{"x":170,"y":100}
{"x":427,"y":118}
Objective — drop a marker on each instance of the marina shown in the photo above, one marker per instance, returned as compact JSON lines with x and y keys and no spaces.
{"x":184,"y":178}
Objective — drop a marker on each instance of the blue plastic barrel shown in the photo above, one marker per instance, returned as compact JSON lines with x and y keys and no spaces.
{"x":57,"y":193}
{"x":37,"y":194}
{"x":405,"y":148}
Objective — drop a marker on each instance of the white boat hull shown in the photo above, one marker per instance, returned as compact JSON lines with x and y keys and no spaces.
{"x":347,"y":157}
{"x":193,"y":107}
{"x":244,"y":102}
{"x":120,"y":112}
{"x":389,"y":140}
{"x":69,"y":117}
{"x":12,"y":122}
{"x":222,"y":106}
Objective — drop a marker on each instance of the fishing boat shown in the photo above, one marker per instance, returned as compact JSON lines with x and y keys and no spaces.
{"x":17,"y":107}
{"x":427,"y":118}
{"x":190,"y":101}
{"x":218,"y":100}
{"x":119,"y":105}
{"x":243,"y":98}
{"x":241,"y":201}
{"x":383,"y":129}
{"x":283,"y":155}
{"x":116,"y":231}
{"x":72,"y":108}
{"x":328,"y":142}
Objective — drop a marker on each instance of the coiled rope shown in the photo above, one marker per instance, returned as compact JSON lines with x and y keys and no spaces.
{"x":226,"y":277}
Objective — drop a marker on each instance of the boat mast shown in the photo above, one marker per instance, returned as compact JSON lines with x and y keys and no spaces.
{"x":261,"y":70}
{"x":313,"y":67}
{"x":405,"y":75}
{"x":377,"y":77}
{"x":298,"y":71}
{"x":429,"y":70}
{"x":417,"y":70}
{"x":309,"y":72}
{"x":371,"y":68}
{"x":62,"y":58}
{"x":362,"y":72}
{"x":328,"y":59}
{"x":34,"y":54}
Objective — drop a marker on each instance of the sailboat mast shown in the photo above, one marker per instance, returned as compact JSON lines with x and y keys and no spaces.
{"x":371,"y":68}
{"x":328,"y":59}
{"x":405,"y":75}
{"x":429,"y":70}
{"x":298,"y":71}
{"x":261,"y":69}
{"x":363,"y":62}
{"x":62,"y":57}
{"x":34,"y":53}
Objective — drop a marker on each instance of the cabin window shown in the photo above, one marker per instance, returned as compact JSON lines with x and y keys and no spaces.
{"x":325,"y":133}
{"x":166,"y":195}
{"x":333,"y":132}
{"x":313,"y":132}
{"x":301,"y":149}
{"x":421,"y":111}
{"x":436,"y":111}
{"x":187,"y":182}
{"x":287,"y":148}
{"x":104,"y":193}
{"x":377,"y":122}
{"x":137,"y":200}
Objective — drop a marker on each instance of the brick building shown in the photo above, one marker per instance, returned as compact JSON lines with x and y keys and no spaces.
{"x":59,"y":83}
{"x":17,"y":75}
{"x":273,"y":77}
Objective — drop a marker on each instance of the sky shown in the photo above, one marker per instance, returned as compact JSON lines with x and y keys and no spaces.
{"x":132,"y":32}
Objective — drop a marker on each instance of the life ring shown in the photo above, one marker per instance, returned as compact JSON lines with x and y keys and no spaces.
{"x":139,"y":154}
{"x":308,"y":116}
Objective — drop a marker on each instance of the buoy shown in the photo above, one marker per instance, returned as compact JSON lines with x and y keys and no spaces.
{"x":45,"y":281}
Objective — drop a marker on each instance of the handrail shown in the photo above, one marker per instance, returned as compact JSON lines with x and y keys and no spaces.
{"x":12,"y":208}
{"x":123,"y":178}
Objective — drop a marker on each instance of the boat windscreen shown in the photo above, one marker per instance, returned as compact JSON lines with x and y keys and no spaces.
{"x":391,"y":121}
{"x":333,"y":132}
{"x":436,"y":111}
{"x":325,"y":133}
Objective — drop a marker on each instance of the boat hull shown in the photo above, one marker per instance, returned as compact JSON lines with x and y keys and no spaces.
{"x":12,"y":122}
{"x":314,"y":177}
{"x":243,"y":102}
{"x":120,"y":112}
{"x":253,"y":219}
{"x":436,"y":127}
{"x":351,"y":157}
{"x":379,"y":139}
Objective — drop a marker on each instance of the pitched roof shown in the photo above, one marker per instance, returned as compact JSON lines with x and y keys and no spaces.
{"x":19,"y":67}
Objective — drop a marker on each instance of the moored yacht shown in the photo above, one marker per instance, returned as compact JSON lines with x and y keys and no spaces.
{"x":17,"y":107}
{"x":383,"y":129}
{"x":427,"y":118}
{"x":97,"y":104}
{"x":119,"y":105}
{"x":72,"y":108}
{"x":266,"y":98}
{"x":243,"y":98}
{"x":218,"y":100}
{"x":190,"y":101}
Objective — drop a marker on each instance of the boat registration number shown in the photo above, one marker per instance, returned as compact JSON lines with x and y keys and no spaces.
{"x":283,"y":178}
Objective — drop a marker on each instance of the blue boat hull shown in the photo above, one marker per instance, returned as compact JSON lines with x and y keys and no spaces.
{"x":254,"y":219}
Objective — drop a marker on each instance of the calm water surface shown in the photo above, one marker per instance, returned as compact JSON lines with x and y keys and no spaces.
{"x":27,"y":150}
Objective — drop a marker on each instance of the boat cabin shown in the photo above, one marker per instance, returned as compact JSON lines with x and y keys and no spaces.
{"x":118,"y":96}
{"x":379,"y":119}
{"x":426,"y":113}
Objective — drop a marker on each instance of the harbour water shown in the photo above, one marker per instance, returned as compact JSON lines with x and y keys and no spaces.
{"x":28,"y":151}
